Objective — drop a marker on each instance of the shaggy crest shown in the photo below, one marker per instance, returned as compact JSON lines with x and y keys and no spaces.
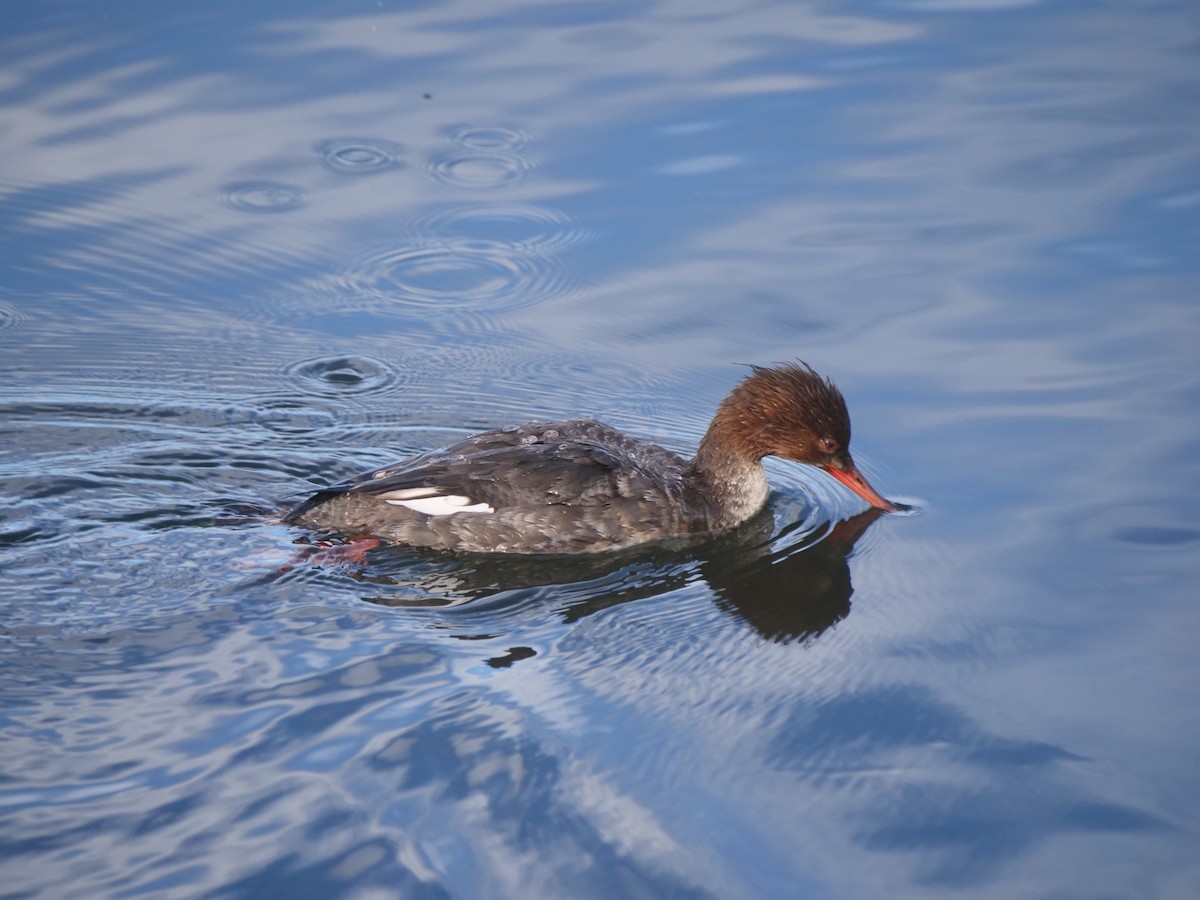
{"x":787,"y":410}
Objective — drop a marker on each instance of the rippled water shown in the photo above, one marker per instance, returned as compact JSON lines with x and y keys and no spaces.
{"x":252,"y":249}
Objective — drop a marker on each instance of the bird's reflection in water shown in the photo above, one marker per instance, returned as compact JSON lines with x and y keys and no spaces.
{"x":788,"y":587}
{"x":794,"y":592}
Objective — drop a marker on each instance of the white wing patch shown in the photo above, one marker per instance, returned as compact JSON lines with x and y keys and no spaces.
{"x":428,"y":501}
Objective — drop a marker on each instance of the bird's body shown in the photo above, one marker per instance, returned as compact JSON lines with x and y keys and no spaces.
{"x":582,"y":486}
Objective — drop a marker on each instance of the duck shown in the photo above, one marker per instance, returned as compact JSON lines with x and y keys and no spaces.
{"x":581,"y":486}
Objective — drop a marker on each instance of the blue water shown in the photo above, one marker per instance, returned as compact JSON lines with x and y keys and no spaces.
{"x":252,"y":248}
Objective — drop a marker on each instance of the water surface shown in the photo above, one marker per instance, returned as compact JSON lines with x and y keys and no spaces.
{"x":250,"y":249}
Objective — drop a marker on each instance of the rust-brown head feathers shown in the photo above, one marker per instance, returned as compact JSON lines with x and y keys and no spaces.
{"x":790,"y":411}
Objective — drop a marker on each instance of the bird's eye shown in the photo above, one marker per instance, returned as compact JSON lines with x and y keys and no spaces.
{"x":828,"y":445}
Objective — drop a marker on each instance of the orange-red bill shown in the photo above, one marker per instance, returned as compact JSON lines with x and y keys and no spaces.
{"x":852,"y":478}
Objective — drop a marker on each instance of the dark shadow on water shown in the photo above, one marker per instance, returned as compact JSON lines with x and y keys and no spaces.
{"x":970,"y":800}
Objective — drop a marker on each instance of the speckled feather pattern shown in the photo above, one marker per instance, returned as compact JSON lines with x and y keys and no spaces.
{"x":556,"y":487}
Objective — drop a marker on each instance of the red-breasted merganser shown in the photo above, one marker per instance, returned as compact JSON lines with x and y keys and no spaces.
{"x":581,"y":486}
